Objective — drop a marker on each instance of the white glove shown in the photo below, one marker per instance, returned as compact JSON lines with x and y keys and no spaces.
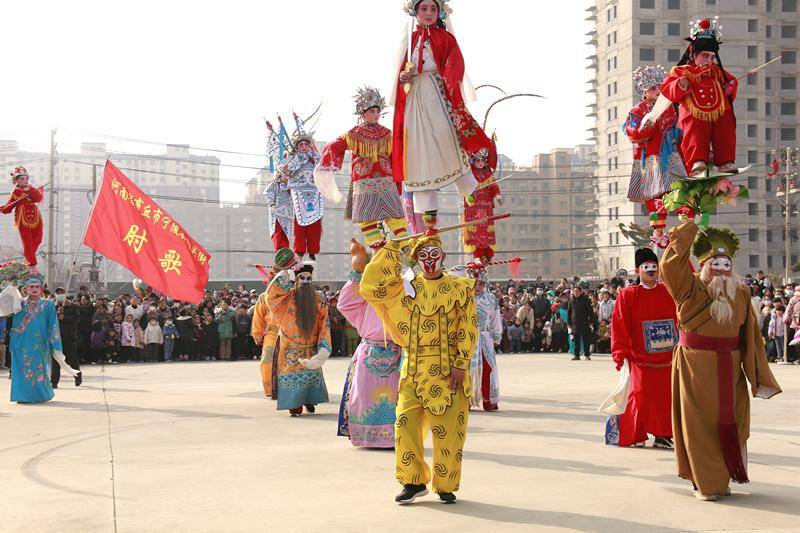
{"x":661,"y":105}
{"x":10,"y":301}
{"x":317,"y":360}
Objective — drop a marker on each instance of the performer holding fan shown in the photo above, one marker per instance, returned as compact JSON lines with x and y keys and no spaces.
{"x":434,"y":133}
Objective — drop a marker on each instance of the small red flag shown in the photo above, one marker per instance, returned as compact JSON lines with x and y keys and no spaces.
{"x":126,"y":226}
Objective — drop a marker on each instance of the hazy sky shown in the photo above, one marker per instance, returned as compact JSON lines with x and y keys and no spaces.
{"x":205,"y":73}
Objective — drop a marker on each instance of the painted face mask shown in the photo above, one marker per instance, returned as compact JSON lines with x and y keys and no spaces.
{"x":430,"y":259}
{"x":650,"y":267}
{"x":722,"y":264}
{"x":304,"y":279}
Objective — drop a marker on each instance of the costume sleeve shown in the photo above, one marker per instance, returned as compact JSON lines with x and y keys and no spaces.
{"x":279,"y":295}
{"x":633,"y":132}
{"x":54,"y":333}
{"x":670,"y":88}
{"x":36,"y":194}
{"x":497,"y":325}
{"x":676,"y":270}
{"x":10,"y":205}
{"x":621,"y":347}
{"x":735,"y":82}
{"x":271,"y":192}
{"x":754,"y":359}
{"x":259,"y":324}
{"x":453,"y":69}
{"x":382,"y":287}
{"x":323,"y":329}
{"x":350,"y":303}
{"x":333,"y":155}
{"x":467,"y":333}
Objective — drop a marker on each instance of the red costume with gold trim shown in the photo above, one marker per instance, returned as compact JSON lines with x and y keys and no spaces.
{"x":480,"y":239}
{"x":705,"y":114}
{"x":27,"y":219}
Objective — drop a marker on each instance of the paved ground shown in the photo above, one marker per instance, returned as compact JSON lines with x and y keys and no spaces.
{"x":197,"y":448}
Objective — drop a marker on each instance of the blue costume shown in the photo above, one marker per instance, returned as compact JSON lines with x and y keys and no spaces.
{"x":34,"y":337}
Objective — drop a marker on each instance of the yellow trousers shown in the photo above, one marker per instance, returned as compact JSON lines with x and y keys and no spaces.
{"x":449,"y":433}
{"x":267,"y":354}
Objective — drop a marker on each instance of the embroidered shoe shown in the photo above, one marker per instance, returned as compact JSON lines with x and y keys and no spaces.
{"x":699,"y":169}
{"x":728,"y":168}
{"x":664,"y":443}
{"x":447,"y":497}
{"x":410,"y":493}
{"x":640,"y":444}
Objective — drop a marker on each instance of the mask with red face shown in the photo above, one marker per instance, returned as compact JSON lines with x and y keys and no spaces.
{"x":430,"y":259}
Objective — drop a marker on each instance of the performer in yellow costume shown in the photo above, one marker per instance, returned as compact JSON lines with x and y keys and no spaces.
{"x":434,"y":319}
{"x":264,"y":331}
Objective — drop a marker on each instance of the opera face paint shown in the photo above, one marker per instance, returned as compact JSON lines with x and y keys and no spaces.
{"x":304,"y":279}
{"x":430,"y":259}
{"x":34,"y":290}
{"x":721,"y":265}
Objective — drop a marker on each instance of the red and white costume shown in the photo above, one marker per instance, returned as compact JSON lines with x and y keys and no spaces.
{"x":480,"y":239}
{"x":643,"y":332}
{"x":27,"y":219}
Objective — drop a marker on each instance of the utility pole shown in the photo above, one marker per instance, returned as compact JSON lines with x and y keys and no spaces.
{"x":51,"y":208}
{"x":787,"y":194}
{"x":94,"y":270}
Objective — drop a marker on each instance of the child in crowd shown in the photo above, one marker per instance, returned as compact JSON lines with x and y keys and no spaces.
{"x":777,"y":329}
{"x":538,"y":336}
{"x":527,"y":336}
{"x":547,"y":337}
{"x":170,"y":336}
{"x":211,"y":335}
{"x":112,"y":346}
{"x":97,"y":343}
{"x":603,"y":337}
{"x":515,"y":336}
{"x":153,"y":339}
{"x":198,"y":349}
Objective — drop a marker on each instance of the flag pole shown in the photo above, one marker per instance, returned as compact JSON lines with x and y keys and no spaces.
{"x":86,"y":227}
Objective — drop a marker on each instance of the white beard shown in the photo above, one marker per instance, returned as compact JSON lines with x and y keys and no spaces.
{"x":722,"y":290}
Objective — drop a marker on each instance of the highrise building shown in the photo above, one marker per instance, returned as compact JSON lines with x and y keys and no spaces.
{"x":629,"y":33}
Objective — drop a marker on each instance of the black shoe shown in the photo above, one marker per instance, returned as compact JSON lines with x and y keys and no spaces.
{"x":447,"y":497}
{"x":55,"y":385}
{"x":79,"y":379}
{"x":411,"y":493}
{"x":588,"y":358}
{"x":576,"y":357}
{"x":313,"y":257}
{"x":296,"y":412}
{"x":310,"y":408}
{"x":664,"y":443}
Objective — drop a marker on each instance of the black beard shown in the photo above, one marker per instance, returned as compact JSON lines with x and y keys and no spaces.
{"x":305,"y":300}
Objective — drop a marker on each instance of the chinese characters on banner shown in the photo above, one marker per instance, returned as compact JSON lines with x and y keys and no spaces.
{"x":128,"y":227}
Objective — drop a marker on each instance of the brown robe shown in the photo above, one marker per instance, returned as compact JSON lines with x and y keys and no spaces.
{"x":695,"y":385}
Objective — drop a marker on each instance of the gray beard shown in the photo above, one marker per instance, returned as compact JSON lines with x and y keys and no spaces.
{"x":722,"y":290}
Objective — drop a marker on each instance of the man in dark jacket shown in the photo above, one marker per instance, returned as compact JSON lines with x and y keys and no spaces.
{"x":68,"y":319}
{"x":541,"y":305}
{"x":581,"y":319}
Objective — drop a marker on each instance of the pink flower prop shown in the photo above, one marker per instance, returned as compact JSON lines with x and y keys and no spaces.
{"x":727,"y":190}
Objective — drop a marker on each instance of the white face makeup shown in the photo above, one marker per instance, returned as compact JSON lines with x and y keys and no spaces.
{"x":722,"y":264}
{"x":430,"y":259}
{"x":649,"y":267}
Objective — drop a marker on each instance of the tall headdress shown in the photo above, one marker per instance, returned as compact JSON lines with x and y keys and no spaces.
{"x":18,"y":172}
{"x":368,"y":97}
{"x":648,"y":76}
{"x":705,"y":35}
{"x":444,"y":8}
{"x":713,"y":242}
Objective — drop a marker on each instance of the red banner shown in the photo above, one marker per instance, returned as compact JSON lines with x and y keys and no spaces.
{"x":126,"y":226}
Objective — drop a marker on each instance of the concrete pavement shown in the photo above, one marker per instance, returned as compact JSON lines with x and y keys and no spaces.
{"x":196,"y":447}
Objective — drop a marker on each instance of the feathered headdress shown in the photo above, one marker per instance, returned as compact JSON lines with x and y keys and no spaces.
{"x":483,"y":153}
{"x":648,"y":76}
{"x":368,"y":97}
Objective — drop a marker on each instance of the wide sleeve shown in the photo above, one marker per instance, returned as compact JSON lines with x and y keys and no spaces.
{"x":754,"y":359}
{"x":467,"y":333}
{"x":351,"y":304}
{"x":271,"y":192}
{"x":279,"y":295}
{"x":496,"y":325}
{"x":333,"y":155}
{"x":734,"y":83}
{"x":632,"y":130}
{"x":676,"y":270}
{"x":258,"y":326}
{"x":382,"y":287}
{"x":323,"y":329}
{"x":10,"y":204}
{"x":621,"y":346}
{"x":670,"y":88}
{"x":54,"y":333}
{"x":35,"y":194}
{"x":453,"y":69}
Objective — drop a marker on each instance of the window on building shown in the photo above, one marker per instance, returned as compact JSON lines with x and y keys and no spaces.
{"x":673,"y":28}
{"x":752,"y":183}
{"x":769,"y":6}
{"x":616,"y":185}
{"x":769,"y":261}
{"x":788,"y":134}
{"x":767,"y":108}
{"x":647,"y":54}
{"x":788,"y":108}
{"x":768,"y":55}
{"x":752,"y":80}
{"x":608,"y":40}
{"x":769,"y":211}
{"x":752,"y":235}
{"x":616,"y":213}
{"x":752,"y":25}
{"x":647,"y":28}
{"x":769,"y":31}
{"x":673,"y":55}
{"x":754,"y":261}
{"x":788,"y":83}
{"x":609,"y":114}
{"x":615,"y":113}
{"x":768,"y":83}
{"x":673,"y":4}
{"x":752,"y":2}
{"x":615,"y":87}
{"x":769,"y":235}
{"x":616,"y":163}
{"x":609,"y":168}
{"x":789,"y":5}
{"x":788,"y":31}
{"x":608,"y":88}
{"x":752,"y":130}
{"x":614,"y":35}
{"x":752,"y":104}
{"x":752,"y":157}
{"x":788,"y":57}
{"x":647,"y":4}
{"x":768,"y":134}
{"x":610,"y":214}
{"x":752,"y":52}
{"x":609,"y":183}
{"x":752,"y":209}
{"x":610,"y":239}
{"x":768,"y":186}
{"x":711,"y":2}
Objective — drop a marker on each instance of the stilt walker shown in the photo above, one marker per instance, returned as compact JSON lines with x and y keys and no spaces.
{"x":434,"y":133}
{"x":480,"y":239}
{"x":373,"y":201}
{"x":483,"y":366}
{"x":656,"y":158}
{"x":27,"y":217}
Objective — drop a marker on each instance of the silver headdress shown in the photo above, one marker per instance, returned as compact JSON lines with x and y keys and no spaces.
{"x":648,"y":76}
{"x":368,"y":97}
{"x":444,"y":8}
{"x":705,"y":29}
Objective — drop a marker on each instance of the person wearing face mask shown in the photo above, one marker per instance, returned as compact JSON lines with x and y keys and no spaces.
{"x":644,"y":331}
{"x":304,"y":335}
{"x":541,"y":305}
{"x":720,"y":350}
{"x":432,"y":315}
{"x":35,"y":341}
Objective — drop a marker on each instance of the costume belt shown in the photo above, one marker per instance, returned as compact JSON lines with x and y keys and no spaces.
{"x":728,"y":432}
{"x":384,"y":344}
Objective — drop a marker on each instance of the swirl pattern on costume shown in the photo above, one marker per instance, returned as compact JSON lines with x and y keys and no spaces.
{"x":436,"y":391}
{"x":429,"y":325}
{"x":439,"y":432}
{"x":407,"y":458}
{"x":401,"y":421}
{"x":461,"y":419}
{"x":434,"y":370}
{"x":459,"y":455}
{"x":440,"y":470}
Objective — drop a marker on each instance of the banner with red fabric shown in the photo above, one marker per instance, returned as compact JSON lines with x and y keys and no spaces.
{"x":126,"y":226}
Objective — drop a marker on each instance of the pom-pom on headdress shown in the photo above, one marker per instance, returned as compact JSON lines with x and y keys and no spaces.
{"x":299,"y":136}
{"x":18,"y":172}
{"x":368,"y":97}
{"x":713,"y":242}
{"x":646,"y":77}
{"x":483,"y":153}
{"x":444,"y":8}
{"x":705,"y":29}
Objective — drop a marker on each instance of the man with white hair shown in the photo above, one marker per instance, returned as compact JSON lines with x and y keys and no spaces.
{"x":720,"y":345}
